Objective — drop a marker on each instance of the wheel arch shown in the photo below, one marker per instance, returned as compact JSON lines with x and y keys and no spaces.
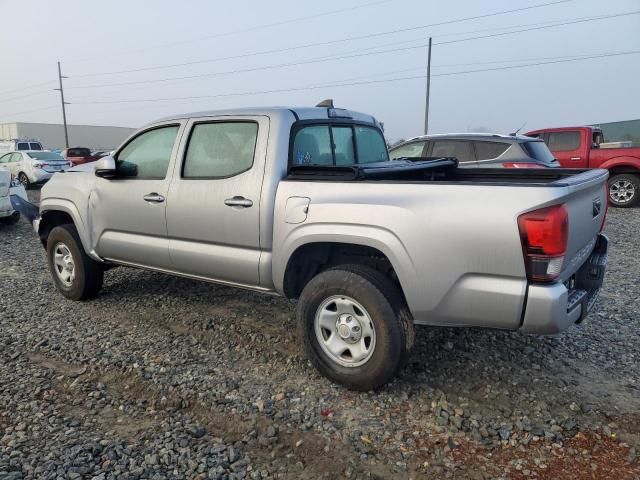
{"x":312,"y":252}
{"x":60,"y":213}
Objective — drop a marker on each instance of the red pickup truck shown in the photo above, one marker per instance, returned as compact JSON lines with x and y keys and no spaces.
{"x":78,"y":155}
{"x":579,"y":147}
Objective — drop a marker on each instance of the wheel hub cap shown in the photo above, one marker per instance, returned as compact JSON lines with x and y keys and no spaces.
{"x":63,"y":263}
{"x":622,"y":191}
{"x":345,"y":331}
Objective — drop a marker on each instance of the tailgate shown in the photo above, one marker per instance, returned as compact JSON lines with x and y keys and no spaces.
{"x":586,"y":204}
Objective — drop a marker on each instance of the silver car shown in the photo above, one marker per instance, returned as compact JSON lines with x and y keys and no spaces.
{"x":485,"y":150}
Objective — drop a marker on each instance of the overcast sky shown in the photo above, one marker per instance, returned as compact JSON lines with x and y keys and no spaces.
{"x":94,"y":37}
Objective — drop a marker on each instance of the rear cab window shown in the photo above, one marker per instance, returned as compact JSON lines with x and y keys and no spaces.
{"x":78,"y":152}
{"x":337,"y":144}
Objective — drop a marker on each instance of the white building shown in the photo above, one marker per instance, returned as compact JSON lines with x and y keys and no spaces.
{"x":51,"y":135}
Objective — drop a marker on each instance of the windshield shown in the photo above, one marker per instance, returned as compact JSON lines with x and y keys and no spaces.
{"x":45,"y":156}
{"x":539,"y":151}
{"x":338,"y":145}
{"x":79,"y":152}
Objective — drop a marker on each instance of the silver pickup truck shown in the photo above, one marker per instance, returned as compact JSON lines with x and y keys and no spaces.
{"x":303,"y":202}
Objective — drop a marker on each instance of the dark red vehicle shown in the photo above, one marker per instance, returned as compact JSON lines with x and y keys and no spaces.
{"x":579,"y":147}
{"x":78,"y":155}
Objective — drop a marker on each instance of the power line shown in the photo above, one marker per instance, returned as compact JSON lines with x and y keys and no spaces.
{"x":26,"y":87}
{"x":262,"y":27}
{"x":29,"y":95}
{"x":344,"y":84}
{"x":358,"y":53}
{"x":571,"y":22}
{"x":324,"y":43}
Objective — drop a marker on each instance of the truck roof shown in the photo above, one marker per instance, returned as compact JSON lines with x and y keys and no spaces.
{"x":301,"y":113}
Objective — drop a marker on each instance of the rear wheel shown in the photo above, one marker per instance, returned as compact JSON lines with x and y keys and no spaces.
{"x":355,"y":326}
{"x":76,"y":275}
{"x":624,"y":190}
{"x":24,"y":179}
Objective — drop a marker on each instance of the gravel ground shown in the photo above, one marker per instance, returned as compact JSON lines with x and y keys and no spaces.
{"x":161,"y":377}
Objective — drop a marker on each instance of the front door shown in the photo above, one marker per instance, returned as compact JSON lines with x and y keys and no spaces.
{"x":566,"y":148}
{"x":213,"y":219}
{"x":127,"y":213}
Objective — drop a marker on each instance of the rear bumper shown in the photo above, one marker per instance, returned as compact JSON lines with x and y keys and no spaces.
{"x":550,"y":309}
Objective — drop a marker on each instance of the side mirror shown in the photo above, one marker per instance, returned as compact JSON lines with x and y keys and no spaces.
{"x":105,"y":167}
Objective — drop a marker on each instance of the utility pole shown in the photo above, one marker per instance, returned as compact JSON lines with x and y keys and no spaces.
{"x":426,"y":107}
{"x":64,"y":113}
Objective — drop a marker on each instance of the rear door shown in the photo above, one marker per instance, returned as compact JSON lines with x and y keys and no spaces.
{"x":566,"y":147}
{"x":213,"y":218}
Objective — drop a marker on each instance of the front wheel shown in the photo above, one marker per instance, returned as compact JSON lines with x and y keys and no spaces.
{"x":75,"y":274}
{"x":355,"y":326}
{"x":624,"y":190}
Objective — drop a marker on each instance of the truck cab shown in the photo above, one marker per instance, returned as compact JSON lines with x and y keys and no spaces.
{"x":581,"y":147}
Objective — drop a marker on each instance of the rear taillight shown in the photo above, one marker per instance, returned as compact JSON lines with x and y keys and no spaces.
{"x":544,"y":235}
{"x":606,"y":205}
{"x":522,"y":165}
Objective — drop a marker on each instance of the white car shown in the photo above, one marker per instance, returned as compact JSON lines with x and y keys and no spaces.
{"x":33,"y":167}
{"x":7,"y":214}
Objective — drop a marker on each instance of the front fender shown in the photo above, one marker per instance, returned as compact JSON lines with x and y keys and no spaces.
{"x":51,"y":204}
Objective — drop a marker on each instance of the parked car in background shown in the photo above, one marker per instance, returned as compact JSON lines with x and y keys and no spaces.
{"x":33,"y":167}
{"x":78,"y":155}
{"x":580,"y":147}
{"x":101,"y":153}
{"x":484,"y":150}
{"x":19,"y":145}
{"x":8,"y":188}
{"x":304,"y":202}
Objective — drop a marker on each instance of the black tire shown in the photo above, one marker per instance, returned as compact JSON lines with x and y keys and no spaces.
{"x":631,"y":185}
{"x":385,"y":305}
{"x":11,"y":219}
{"x":89,"y":274}
{"x":24,"y":180}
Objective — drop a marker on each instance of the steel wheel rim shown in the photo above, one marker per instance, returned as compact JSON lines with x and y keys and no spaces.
{"x":63,"y":264}
{"x":345,"y":331}
{"x":622,"y":191}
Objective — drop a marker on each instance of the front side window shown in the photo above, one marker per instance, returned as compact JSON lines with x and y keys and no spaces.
{"x":16,"y":157}
{"x":564,"y":141}
{"x":408,"y":150}
{"x":490,"y":150}
{"x":220,"y":149}
{"x":340,"y":145}
{"x":148,"y":154}
{"x":453,"y":148}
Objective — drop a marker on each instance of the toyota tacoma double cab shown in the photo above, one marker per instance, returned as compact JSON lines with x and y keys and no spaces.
{"x":304,"y":203}
{"x":580,"y":147}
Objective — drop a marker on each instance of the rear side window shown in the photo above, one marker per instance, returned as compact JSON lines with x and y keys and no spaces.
{"x":564,"y":141}
{"x":410,"y":150}
{"x":453,"y":148}
{"x":340,"y":145}
{"x":148,"y":154}
{"x":22,"y":146}
{"x":220,"y":150}
{"x":490,"y":150}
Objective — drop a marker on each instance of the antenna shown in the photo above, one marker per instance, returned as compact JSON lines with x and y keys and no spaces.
{"x":328,"y":103}
{"x":518,"y":130}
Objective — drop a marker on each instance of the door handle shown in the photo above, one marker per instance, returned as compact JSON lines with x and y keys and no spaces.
{"x":576,"y":158}
{"x":153,"y":198}
{"x":238,"y":201}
